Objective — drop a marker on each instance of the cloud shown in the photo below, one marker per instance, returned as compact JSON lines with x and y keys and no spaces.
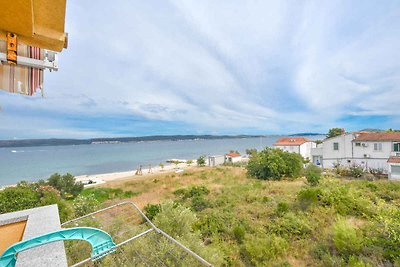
{"x":217,"y":67}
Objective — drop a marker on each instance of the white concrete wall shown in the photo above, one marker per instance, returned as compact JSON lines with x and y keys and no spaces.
{"x":331,"y":156}
{"x":394,"y":176}
{"x":295,"y":149}
{"x":305,"y":149}
{"x":233,"y":159}
{"x":216,"y":160}
{"x":365,"y":154}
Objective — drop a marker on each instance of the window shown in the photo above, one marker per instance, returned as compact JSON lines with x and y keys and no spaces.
{"x":358,"y":144}
{"x":396,"y":147}
{"x":335,"y":146}
{"x":377,"y":146}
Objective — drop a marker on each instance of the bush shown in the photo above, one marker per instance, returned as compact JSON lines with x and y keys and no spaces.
{"x":313,"y":174}
{"x":273,"y":164}
{"x":356,"y":171}
{"x":262,"y":250}
{"x":85,"y":204}
{"x":282,"y":208}
{"x":151,"y":210}
{"x":18,"y":198}
{"x":346,"y":239}
{"x":193,"y":191}
{"x":308,"y":196}
{"x":291,"y":225}
{"x":201,"y":161}
{"x":239,"y":232}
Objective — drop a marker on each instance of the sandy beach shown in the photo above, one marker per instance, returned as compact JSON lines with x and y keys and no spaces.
{"x":98,"y":179}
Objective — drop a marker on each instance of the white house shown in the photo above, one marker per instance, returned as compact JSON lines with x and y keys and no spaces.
{"x":369,"y":150}
{"x":216,"y":160}
{"x":233,"y":158}
{"x":298,"y":145}
{"x":338,"y":150}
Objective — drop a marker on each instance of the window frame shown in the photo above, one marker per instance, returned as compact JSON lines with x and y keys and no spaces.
{"x":336,"y":146}
{"x":377,"y":146}
{"x":394,"y":147}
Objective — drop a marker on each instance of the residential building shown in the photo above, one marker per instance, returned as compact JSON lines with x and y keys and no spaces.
{"x":298,"y":145}
{"x":338,"y":150}
{"x":233,"y":158}
{"x":216,"y":160}
{"x":369,"y":150}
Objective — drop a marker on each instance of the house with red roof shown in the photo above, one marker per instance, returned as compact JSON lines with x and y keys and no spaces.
{"x":371,"y":150}
{"x":300,"y":145}
{"x":233,"y":157}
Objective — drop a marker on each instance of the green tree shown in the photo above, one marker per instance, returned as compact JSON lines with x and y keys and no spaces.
{"x":273,"y":164}
{"x":251,"y":151}
{"x":189,"y":162}
{"x":294,"y":164}
{"x":334,"y":132}
{"x":66,"y":184}
{"x":201,"y":161}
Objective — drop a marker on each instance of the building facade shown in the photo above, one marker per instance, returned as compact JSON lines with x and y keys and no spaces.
{"x":368,"y":150}
{"x":300,"y":145}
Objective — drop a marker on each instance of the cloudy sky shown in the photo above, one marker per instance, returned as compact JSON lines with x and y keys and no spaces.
{"x":217,"y":67}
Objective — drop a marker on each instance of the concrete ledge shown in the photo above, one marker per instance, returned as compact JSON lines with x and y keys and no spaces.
{"x":39,"y":221}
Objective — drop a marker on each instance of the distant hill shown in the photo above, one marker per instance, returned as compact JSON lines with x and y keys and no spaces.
{"x":306,"y":134}
{"x":63,"y":142}
{"x":372,"y":130}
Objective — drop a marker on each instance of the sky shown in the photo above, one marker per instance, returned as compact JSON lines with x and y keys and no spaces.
{"x":135,"y":68}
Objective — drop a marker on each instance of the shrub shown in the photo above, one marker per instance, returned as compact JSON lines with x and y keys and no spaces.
{"x":193,"y":191}
{"x":18,"y":198}
{"x":85,"y":204}
{"x":261,"y":250}
{"x":356,"y":171}
{"x":282,"y":208}
{"x":201,"y":161}
{"x":273,"y":164}
{"x":199,"y":203}
{"x":346,"y":239}
{"x":151,"y":210}
{"x":291,"y":225}
{"x":308,"y":196}
{"x":313,"y":174}
{"x":239,"y":232}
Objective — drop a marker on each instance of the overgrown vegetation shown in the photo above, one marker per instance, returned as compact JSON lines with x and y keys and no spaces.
{"x":63,"y":190}
{"x":274,"y":164}
{"x":232,"y":219}
{"x":251,"y":222}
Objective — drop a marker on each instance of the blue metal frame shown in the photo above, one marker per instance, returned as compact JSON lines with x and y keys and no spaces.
{"x":101,"y":242}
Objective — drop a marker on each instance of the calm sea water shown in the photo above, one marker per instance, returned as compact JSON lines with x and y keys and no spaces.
{"x":34,"y":163}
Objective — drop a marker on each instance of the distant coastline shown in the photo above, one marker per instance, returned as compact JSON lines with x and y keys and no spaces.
{"x":117,"y":140}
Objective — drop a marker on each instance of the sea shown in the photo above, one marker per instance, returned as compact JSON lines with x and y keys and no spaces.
{"x":34,"y":163}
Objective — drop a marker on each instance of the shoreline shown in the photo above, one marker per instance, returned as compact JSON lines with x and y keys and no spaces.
{"x":104,"y":178}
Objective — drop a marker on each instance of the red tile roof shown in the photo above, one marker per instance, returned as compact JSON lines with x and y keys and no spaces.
{"x":394,"y":160}
{"x":291,"y":141}
{"x":233,"y":155}
{"x":394,"y":136}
